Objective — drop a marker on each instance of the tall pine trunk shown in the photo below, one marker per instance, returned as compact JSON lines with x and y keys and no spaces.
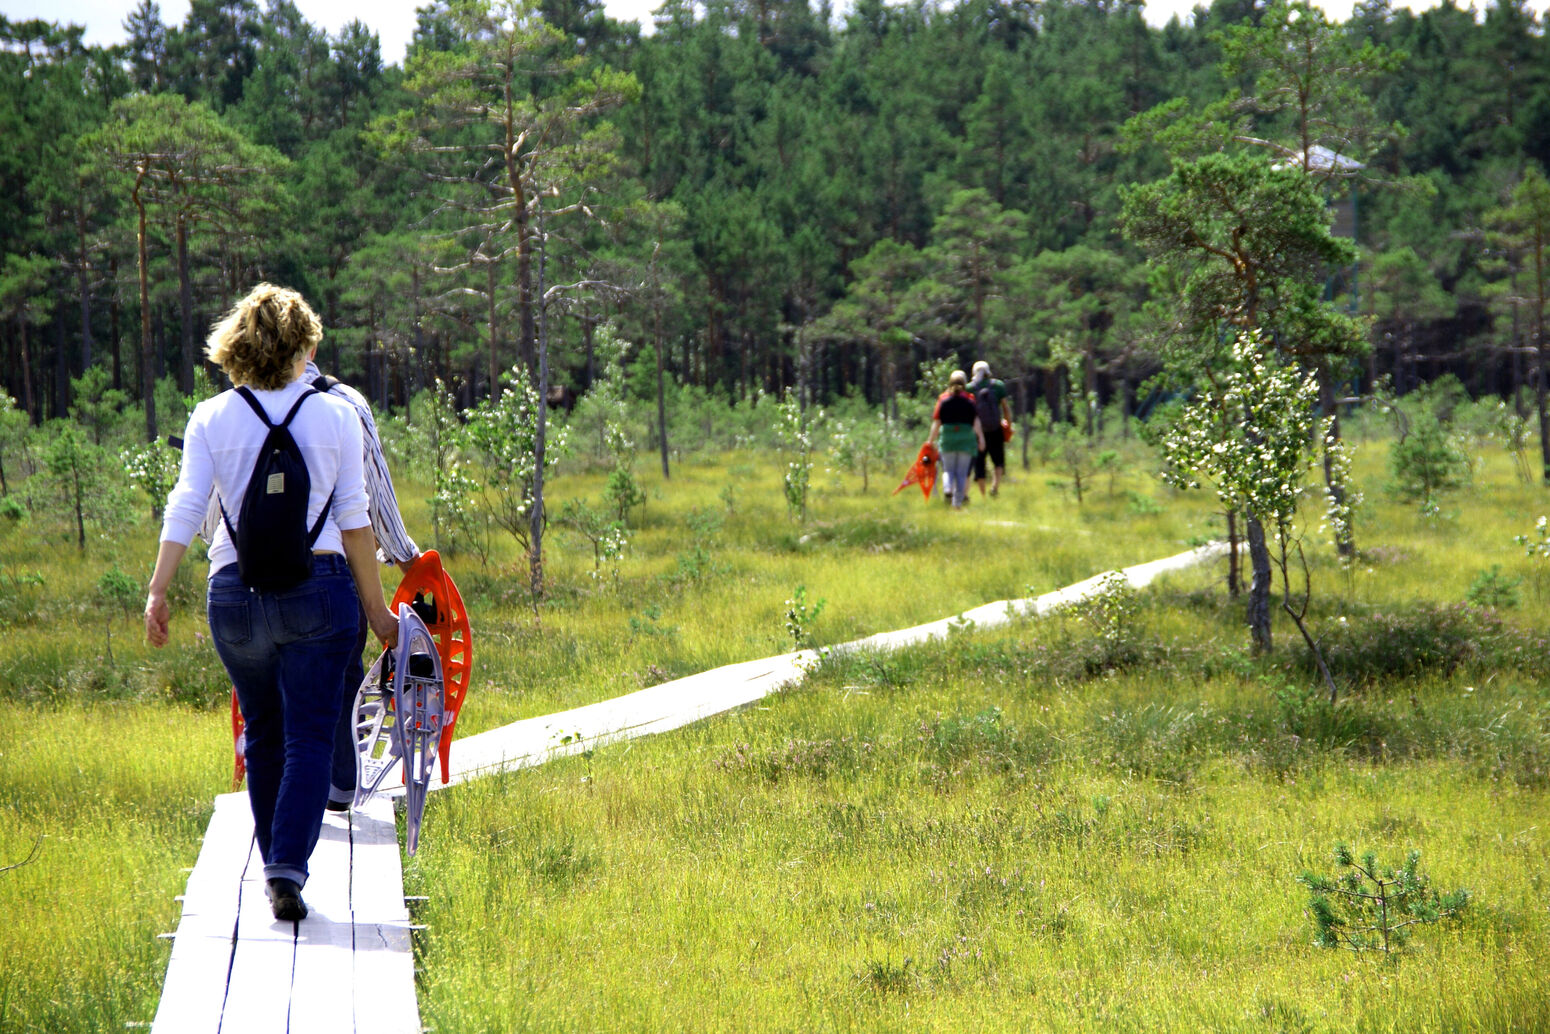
{"x":656,"y":331}
{"x":29,"y":400}
{"x":540,"y":435}
{"x":114,"y":326}
{"x":83,"y":281}
{"x":185,"y":311}
{"x":147,"y":353}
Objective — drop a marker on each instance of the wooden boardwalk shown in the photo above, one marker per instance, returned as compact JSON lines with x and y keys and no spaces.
{"x":348,"y":966}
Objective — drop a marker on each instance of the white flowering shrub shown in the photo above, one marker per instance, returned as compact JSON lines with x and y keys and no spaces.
{"x":607,"y":536}
{"x":1341,"y":497}
{"x":859,"y":445}
{"x":796,"y":429}
{"x":1538,"y":544}
{"x":1251,"y":436}
{"x":153,"y":468}
{"x":460,"y":525}
{"x":497,"y":458}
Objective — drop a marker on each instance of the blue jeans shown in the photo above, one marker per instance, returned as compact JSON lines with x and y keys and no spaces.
{"x":341,"y":788}
{"x":286,"y":654}
{"x":955,"y":475}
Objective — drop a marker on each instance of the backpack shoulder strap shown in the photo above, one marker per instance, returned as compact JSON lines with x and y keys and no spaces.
{"x":247,"y":396}
{"x":324,"y":383}
{"x":291,"y":415}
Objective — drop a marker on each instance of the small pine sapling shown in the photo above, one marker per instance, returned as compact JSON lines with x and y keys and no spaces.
{"x":1367,"y":908}
{"x":116,"y":593}
{"x":1426,"y":463}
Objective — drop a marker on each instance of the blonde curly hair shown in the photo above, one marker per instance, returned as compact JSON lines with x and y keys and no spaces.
{"x":258,"y":342}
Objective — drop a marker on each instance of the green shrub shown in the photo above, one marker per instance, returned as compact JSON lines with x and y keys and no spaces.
{"x":1493,"y":589}
{"x":1365,"y":907}
{"x":1420,"y":640}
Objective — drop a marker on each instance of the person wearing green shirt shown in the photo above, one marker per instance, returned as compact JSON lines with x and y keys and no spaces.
{"x":958,"y":434}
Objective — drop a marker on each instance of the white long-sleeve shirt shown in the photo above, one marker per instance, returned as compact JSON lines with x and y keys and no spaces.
{"x":394,"y":546}
{"x":220,"y":446}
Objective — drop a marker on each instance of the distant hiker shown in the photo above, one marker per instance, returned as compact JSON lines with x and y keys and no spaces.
{"x":285,"y":647}
{"x":958,"y":426}
{"x":994,"y":413}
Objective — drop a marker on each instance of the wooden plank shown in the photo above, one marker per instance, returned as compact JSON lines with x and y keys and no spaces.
{"x":384,"y":980}
{"x":376,"y":873}
{"x":223,"y":855}
{"x":258,"y":996}
{"x":325,"y":970}
{"x":383,"y":995}
{"x":195,"y":986}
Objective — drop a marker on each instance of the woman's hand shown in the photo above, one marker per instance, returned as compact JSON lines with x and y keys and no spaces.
{"x":157,"y":619}
{"x":383,"y":625}
{"x":157,"y":615}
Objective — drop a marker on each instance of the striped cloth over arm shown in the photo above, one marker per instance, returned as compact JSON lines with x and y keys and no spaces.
{"x":394,"y":546}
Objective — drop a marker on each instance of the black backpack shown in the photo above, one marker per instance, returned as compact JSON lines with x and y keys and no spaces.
{"x":274,"y":546}
{"x":987,"y":408}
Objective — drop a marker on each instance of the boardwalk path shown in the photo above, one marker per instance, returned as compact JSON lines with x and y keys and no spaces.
{"x":348,"y":966}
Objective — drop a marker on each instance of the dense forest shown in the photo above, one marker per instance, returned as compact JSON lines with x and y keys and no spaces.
{"x":758,"y":195}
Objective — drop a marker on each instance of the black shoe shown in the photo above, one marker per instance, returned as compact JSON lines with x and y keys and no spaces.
{"x":337,"y":806}
{"x":285,"y":900}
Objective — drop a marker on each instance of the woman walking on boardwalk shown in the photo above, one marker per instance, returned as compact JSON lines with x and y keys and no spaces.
{"x":285,"y":647}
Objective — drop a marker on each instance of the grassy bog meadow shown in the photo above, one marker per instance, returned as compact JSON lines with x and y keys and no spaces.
{"x":1093,"y":820}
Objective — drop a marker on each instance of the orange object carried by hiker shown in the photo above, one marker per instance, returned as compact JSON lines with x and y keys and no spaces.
{"x":923,"y":472}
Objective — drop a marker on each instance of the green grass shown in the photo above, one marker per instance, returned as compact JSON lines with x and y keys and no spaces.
{"x":1025,"y":829}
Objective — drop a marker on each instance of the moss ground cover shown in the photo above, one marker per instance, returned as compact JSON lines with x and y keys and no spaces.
{"x":1035,"y":828}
